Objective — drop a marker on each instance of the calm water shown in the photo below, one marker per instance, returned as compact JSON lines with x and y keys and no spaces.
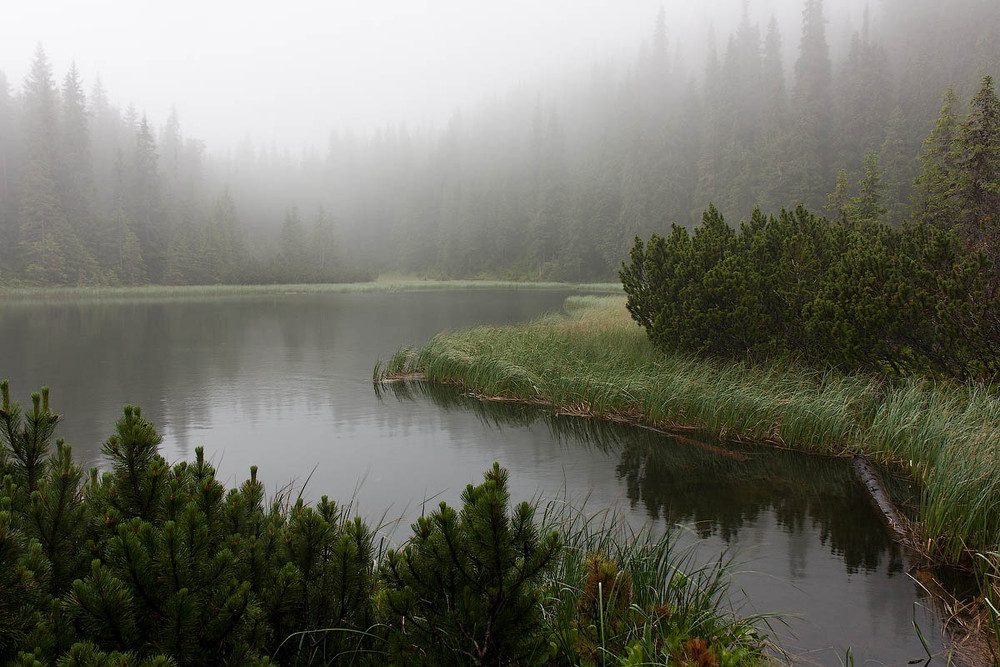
{"x":284,"y":382}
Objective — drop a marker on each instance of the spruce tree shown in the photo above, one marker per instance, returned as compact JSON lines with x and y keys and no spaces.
{"x":75,"y":181}
{"x":935,"y":188}
{"x":812,"y":102}
{"x":8,"y":220}
{"x":839,"y":199}
{"x":465,"y":587}
{"x":40,"y":254}
{"x":145,"y":203}
{"x":866,"y":208}
{"x":978,"y":164}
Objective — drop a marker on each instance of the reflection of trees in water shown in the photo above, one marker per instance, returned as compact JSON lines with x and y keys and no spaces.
{"x":719,"y":488}
{"x":179,"y":359}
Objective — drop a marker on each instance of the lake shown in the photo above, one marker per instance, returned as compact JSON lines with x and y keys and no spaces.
{"x":284,"y":381}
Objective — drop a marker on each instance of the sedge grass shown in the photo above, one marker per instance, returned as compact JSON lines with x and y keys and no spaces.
{"x":625,"y":595}
{"x":595,"y":360}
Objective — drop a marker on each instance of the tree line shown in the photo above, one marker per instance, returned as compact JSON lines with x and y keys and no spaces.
{"x":91,"y":195}
{"x":548,"y":182}
{"x":849,"y":291}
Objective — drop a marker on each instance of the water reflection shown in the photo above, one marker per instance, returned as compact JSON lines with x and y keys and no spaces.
{"x":251,"y":358}
{"x":814,"y":547}
{"x":717,"y":488}
{"x":284,"y":382}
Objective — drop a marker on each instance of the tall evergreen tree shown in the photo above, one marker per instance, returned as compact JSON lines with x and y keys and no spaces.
{"x":934,"y":192}
{"x":145,"y":202}
{"x":863,"y":99}
{"x":978,"y":163}
{"x":774,"y":177}
{"x":8,"y":213}
{"x":74,"y":151}
{"x":41,"y":213}
{"x":812,"y":102}
{"x":866,"y":208}
{"x":129,"y":263}
{"x":75,"y":179}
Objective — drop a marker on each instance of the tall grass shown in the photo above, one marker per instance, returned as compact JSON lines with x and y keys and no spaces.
{"x":622,"y":595}
{"x":594,"y":360}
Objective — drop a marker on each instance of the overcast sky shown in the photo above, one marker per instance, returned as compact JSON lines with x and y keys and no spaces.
{"x":291,"y":72}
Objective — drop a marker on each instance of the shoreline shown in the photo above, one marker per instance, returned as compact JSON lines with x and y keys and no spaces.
{"x":595,"y":362}
{"x":402,"y":284}
{"x":965,"y":624}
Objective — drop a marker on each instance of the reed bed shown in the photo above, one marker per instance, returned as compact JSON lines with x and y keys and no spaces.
{"x":594,"y":360}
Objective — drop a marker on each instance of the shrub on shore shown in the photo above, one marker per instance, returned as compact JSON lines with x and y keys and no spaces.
{"x":152,"y":563}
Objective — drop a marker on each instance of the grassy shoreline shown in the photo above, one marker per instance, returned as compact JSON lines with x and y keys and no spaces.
{"x":401,"y":284}
{"x":596,"y":361}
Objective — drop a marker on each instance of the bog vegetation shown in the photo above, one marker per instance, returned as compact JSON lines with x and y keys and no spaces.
{"x":151,"y":563}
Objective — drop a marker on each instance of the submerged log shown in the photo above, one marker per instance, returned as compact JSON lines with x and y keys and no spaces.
{"x":870,"y":479}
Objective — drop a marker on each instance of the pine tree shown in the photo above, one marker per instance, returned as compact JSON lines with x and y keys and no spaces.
{"x":839,"y":199}
{"x":812,"y":103}
{"x":41,"y":211}
{"x":75,"y":180}
{"x":124,"y":246}
{"x":934,"y":189}
{"x":75,"y":160}
{"x":774,"y":177}
{"x":56,"y":517}
{"x":165,"y":580}
{"x":866,"y":208}
{"x":145,"y":204}
{"x":8,"y":222}
{"x":978,"y":164}
{"x":863,"y":90}
{"x":26,"y":436}
{"x":465,"y":586}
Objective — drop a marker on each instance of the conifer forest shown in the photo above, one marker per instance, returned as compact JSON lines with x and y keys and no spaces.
{"x":547,"y":183}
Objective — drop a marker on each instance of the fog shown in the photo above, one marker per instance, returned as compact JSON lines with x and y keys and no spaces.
{"x":288,"y":75}
{"x":233,"y":142}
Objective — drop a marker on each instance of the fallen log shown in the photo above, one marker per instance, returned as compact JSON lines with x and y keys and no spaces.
{"x":870,"y":479}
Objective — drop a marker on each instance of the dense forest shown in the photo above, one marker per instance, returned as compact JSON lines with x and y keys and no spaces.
{"x":551,"y":183}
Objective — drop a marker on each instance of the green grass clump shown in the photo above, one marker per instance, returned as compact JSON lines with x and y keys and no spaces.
{"x":594,"y":360}
{"x":626,"y":596}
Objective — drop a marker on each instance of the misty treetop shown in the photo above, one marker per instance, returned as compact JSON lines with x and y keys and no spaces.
{"x":549,"y":183}
{"x":851,"y":292}
{"x":91,"y":195}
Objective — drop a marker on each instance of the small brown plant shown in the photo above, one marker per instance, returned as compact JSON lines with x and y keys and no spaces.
{"x":698,"y":654}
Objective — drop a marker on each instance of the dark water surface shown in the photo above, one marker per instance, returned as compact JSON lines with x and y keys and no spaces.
{"x":284,"y":382}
